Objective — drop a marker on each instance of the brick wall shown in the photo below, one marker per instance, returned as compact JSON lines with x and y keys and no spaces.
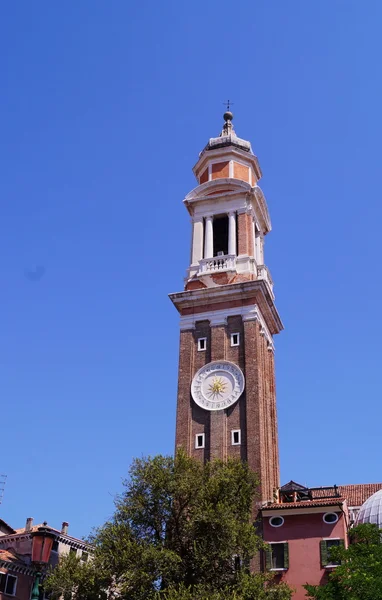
{"x":219,"y":170}
{"x":254,"y":413}
{"x":240,"y":171}
{"x":245,"y":234}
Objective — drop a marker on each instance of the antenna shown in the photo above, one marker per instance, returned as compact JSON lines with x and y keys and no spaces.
{"x":3,"y":480}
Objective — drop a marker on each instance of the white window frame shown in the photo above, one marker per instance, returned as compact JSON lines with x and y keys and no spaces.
{"x":238,"y":338}
{"x":332,"y":539}
{"x":197,"y":435}
{"x":6,"y":581}
{"x":200,"y":340}
{"x":276,"y":517}
{"x":233,"y":431}
{"x":278,"y":568}
{"x":330,"y":522}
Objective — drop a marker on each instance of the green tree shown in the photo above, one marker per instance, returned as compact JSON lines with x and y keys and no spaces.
{"x":359,"y":574}
{"x":181,"y":529}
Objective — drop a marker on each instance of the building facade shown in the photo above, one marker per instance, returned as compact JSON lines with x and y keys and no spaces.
{"x":226,"y":405}
{"x":17,"y":573}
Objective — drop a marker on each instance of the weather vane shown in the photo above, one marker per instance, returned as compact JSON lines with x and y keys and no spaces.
{"x":228,"y":104}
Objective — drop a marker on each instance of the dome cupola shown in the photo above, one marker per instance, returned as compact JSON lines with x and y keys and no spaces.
{"x":371,"y":510}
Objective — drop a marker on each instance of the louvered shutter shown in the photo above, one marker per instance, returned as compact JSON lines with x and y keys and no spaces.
{"x":341,"y":545}
{"x":268,"y":557}
{"x":286,"y":555}
{"x":324,"y":553}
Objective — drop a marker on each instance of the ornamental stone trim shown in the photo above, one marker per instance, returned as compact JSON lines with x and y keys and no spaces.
{"x":219,"y":318}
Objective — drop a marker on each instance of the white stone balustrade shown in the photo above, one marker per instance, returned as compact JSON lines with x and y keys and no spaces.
{"x":217,"y":264}
{"x":263,"y":273}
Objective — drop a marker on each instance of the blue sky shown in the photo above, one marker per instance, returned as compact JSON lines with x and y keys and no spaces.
{"x":103,"y":110}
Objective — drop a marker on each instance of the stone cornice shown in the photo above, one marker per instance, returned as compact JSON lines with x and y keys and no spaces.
{"x":247,"y":293}
{"x":249,"y":199}
{"x":64,"y":539}
{"x":17,"y":568}
{"x":200,"y":192}
{"x":225,"y":153}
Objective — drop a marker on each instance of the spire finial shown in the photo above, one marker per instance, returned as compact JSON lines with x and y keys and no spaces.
{"x":228,"y":116}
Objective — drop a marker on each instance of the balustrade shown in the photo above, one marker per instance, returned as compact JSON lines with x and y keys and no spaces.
{"x":217,"y":264}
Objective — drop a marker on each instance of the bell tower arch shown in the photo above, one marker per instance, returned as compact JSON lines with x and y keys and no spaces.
{"x":226,"y":386}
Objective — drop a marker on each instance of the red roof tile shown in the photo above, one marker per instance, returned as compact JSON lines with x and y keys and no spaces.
{"x":35,"y":527}
{"x":355,"y":494}
{"x":11,"y":556}
{"x":305,"y":503}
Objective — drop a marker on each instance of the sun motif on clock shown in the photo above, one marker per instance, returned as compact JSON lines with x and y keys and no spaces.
{"x":217,"y":385}
{"x":217,"y":388}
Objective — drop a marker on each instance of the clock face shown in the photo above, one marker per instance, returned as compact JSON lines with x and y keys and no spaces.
{"x":217,"y":385}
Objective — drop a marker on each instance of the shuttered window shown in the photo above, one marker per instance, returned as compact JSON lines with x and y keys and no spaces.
{"x":325,"y":547}
{"x":277,"y":556}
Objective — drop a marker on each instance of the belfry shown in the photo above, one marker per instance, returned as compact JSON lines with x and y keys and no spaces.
{"x":226,"y":388}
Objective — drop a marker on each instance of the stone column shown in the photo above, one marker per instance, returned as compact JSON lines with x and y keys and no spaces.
{"x":232,"y":233}
{"x":209,"y":238}
{"x":259,"y":260}
{"x":254,"y":238}
{"x":261,"y":246}
{"x":197,"y":240}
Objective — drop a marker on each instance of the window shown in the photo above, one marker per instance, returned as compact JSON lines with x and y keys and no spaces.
{"x":325,"y":548}
{"x":276,"y":521}
{"x":202,"y":344}
{"x":84,"y":556}
{"x":73,"y":551}
{"x":220,"y":233}
{"x":330,"y":518}
{"x":199,"y":440}
{"x":235,"y":339}
{"x":236,"y":437}
{"x":277,"y":557}
{"x":55,"y":546}
{"x":8,"y":584}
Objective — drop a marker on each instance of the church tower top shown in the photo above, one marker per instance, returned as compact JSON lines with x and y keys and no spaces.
{"x":227,"y":137}
{"x":221,"y":153}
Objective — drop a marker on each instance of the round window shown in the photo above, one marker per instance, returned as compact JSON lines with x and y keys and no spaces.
{"x":330,"y":518}
{"x":276,"y":521}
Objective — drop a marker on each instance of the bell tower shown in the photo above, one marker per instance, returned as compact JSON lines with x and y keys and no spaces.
{"x":226,"y":388}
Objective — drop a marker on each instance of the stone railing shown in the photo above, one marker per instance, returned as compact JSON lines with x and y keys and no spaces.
{"x":217,"y":264}
{"x":263,"y":273}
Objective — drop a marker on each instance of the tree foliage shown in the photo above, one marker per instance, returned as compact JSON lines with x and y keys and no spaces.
{"x":359,"y":574}
{"x":180,"y":530}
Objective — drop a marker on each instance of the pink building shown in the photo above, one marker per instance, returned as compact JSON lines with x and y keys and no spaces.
{"x":303,"y":525}
{"x":16,"y":569}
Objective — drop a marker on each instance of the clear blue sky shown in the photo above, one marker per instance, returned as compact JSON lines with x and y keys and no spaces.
{"x":104,"y":107}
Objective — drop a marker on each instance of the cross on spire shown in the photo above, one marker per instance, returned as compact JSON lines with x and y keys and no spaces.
{"x":228,"y":104}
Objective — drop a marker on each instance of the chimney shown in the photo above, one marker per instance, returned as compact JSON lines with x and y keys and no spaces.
{"x":29,"y":524}
{"x":64,"y":527}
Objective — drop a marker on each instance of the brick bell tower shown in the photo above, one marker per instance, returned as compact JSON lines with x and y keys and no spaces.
{"x":226,"y":390}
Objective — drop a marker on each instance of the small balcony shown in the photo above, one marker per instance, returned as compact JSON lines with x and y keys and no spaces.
{"x":217,"y":264}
